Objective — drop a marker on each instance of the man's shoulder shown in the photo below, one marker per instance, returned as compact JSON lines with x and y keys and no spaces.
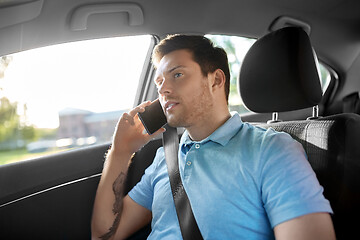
{"x":265,"y":141}
{"x":266,"y":133}
{"x":159,"y":156}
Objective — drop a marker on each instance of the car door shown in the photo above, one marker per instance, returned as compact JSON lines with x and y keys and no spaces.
{"x":86,"y":85}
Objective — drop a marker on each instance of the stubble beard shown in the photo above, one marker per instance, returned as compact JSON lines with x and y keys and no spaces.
{"x":194,"y":112}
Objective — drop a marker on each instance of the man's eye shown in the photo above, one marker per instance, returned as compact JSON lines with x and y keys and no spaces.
{"x":176,"y":75}
{"x":158,"y":83}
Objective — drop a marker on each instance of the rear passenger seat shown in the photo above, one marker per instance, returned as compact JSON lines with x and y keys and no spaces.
{"x":351,"y":103}
{"x":279,"y":74}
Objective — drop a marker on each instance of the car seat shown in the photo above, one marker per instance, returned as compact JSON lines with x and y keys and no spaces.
{"x":280,"y":73}
{"x":351,"y":103}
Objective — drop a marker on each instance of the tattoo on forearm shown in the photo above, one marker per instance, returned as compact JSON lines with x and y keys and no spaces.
{"x":118,"y":188}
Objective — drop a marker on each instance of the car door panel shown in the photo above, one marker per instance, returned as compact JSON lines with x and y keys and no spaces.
{"x":54,"y":195}
{"x":50,"y":197}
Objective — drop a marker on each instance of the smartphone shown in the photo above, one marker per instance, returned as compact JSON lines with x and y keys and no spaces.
{"x":153,"y":118}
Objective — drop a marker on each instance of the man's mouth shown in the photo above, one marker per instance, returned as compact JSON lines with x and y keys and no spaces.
{"x":170,"y":105}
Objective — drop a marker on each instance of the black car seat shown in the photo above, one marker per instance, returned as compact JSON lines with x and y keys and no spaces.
{"x":279,"y":73}
{"x":351,"y":103}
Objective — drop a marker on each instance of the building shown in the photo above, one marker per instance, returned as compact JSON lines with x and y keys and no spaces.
{"x":78,"y":124}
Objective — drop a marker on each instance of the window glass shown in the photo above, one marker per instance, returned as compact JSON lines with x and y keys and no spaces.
{"x":325,"y":77}
{"x":67,"y":96}
{"x":236,"y":48}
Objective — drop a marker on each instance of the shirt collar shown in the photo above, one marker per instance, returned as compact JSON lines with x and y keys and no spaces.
{"x":222,"y":135}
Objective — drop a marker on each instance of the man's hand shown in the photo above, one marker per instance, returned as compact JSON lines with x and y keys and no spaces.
{"x":112,"y":215}
{"x":130,"y":134}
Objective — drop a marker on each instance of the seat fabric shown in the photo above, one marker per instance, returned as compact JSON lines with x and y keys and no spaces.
{"x":333,"y":150}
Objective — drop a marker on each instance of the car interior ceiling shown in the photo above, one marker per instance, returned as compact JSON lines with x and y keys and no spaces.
{"x":330,"y":141}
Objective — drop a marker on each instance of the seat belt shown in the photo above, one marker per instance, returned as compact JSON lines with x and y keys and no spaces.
{"x":188,"y":226}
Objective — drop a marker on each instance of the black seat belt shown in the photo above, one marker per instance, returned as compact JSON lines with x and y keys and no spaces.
{"x":188,"y":226}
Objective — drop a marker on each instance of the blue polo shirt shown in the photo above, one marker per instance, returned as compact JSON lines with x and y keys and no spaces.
{"x":242,"y":181}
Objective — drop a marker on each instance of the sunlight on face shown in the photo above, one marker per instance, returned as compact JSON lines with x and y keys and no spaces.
{"x":183,"y":89}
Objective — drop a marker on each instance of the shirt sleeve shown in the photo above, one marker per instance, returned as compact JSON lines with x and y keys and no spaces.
{"x":289,"y":185}
{"x":142,"y":193}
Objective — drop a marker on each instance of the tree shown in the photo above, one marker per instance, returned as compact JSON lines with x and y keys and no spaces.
{"x":4,"y":63}
{"x":230,"y":47}
{"x":9,"y":119}
{"x":11,"y":126}
{"x":226,"y":43}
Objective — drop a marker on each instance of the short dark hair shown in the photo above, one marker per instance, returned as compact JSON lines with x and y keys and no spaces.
{"x":203,"y":50}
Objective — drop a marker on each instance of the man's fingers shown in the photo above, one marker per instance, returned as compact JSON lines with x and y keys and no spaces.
{"x":140,"y":108}
{"x":155,"y":134}
{"x":128,"y":118}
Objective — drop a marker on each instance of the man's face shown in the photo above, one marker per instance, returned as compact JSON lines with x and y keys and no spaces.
{"x":184,"y":91}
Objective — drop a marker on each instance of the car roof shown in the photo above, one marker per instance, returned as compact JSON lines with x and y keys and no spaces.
{"x":333,"y":25}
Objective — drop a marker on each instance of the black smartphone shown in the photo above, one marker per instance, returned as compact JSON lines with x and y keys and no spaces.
{"x":153,"y":118}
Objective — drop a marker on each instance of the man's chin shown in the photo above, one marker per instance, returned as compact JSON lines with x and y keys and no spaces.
{"x":173,"y":122}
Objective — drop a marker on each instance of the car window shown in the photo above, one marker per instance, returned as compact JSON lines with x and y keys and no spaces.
{"x":67,"y":96}
{"x":236,"y":49}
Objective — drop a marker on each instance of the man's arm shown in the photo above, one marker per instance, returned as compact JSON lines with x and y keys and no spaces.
{"x":110,"y":209}
{"x":315,"y":226}
{"x":115,"y":216}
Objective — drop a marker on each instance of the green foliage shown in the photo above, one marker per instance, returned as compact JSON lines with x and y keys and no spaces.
{"x":236,"y":48}
{"x":9,"y":119}
{"x":324,"y":77}
{"x":7,"y":157}
{"x":4,"y":62}
{"x":226,"y":43}
{"x":45,"y":133}
{"x":11,"y":127}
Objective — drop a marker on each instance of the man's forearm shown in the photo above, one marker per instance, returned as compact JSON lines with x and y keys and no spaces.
{"x":118,"y":189}
{"x":109,"y":197}
{"x":128,"y":138}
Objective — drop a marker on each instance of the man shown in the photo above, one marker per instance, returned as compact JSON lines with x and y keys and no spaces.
{"x":243,"y":182}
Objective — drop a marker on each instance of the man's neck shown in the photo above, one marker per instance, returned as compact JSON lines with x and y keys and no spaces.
{"x":205,"y":128}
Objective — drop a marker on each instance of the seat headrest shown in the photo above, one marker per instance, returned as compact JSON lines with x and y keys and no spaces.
{"x":280,"y":73}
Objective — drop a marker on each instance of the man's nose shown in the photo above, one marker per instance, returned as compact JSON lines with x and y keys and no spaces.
{"x":165,"y":87}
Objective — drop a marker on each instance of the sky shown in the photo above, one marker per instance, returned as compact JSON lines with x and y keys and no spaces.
{"x":96,"y":75}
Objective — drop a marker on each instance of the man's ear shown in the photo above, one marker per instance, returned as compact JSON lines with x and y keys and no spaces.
{"x":219,"y":78}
